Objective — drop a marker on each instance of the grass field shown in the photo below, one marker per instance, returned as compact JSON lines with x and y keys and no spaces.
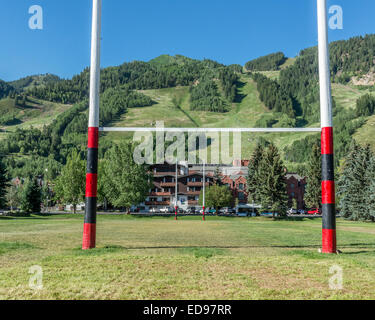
{"x":159,"y":258}
{"x":36,"y":113}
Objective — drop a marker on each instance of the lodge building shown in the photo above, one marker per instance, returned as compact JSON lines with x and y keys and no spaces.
{"x":190,"y":184}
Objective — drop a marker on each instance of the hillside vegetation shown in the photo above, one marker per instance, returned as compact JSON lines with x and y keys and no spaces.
{"x":273,"y":91}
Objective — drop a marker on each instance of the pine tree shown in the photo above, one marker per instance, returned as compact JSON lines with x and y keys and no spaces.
{"x":313,"y":195}
{"x":31,"y":196}
{"x":370,"y":190}
{"x":353,"y":183}
{"x":272,"y":188}
{"x":217,"y":176}
{"x":253,"y":181}
{"x":3,"y":184}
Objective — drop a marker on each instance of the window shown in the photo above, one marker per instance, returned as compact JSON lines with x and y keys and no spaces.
{"x":241,"y":196}
{"x":240,"y":186}
{"x":292,"y":185}
{"x":292,"y":194}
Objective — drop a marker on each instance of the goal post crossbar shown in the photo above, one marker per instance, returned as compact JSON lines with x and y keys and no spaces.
{"x":153,"y":129}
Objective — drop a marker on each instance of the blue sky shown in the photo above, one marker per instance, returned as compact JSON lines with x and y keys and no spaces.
{"x":227,"y":31}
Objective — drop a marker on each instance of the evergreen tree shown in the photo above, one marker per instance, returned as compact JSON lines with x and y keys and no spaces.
{"x":217,"y":176}
{"x":272,"y":188}
{"x":370,"y":191}
{"x":31,"y":196}
{"x":365,"y":105}
{"x":3,"y":184}
{"x":70,"y":185}
{"x":253,"y":181}
{"x":353,"y":183}
{"x":313,"y":195}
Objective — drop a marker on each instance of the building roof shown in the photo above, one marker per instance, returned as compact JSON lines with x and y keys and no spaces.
{"x":294,"y":175}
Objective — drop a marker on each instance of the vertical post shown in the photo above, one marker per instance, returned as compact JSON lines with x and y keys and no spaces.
{"x":204,"y":190}
{"x":89,"y":228}
{"x":176,"y":193}
{"x":328,"y":184}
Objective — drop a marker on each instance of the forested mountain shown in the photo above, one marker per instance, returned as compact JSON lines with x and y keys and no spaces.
{"x":163,"y":72}
{"x":270,"y":62}
{"x":34,"y":81}
{"x":5,"y":89}
{"x":203,"y":92}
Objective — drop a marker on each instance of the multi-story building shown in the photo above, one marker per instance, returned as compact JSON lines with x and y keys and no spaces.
{"x":189,"y":185}
{"x":296,"y":189}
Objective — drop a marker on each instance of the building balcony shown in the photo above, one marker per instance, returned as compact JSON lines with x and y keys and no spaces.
{"x":193,"y":193}
{"x":167,"y":184}
{"x":157,"y":203}
{"x":192,"y":202}
{"x":160,"y":194}
{"x":197,"y":184}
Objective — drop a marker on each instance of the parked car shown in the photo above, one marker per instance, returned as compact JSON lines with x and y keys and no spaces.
{"x":167,"y":210}
{"x":206,"y":210}
{"x":142,"y":209}
{"x":243,"y":214}
{"x":267,"y":213}
{"x":302,"y":211}
{"x":153,"y":210}
{"x":292,"y":211}
{"x":190,"y":210}
{"x":314,"y":211}
{"x":227,"y":210}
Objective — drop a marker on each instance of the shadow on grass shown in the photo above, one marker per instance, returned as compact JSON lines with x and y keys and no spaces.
{"x":202,"y":252}
{"x":97,"y":251}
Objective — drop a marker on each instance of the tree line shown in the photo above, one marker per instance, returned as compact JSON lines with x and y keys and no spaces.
{"x":272,"y":95}
{"x":269,"y":62}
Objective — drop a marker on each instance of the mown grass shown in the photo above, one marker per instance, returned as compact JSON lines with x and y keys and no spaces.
{"x":159,"y":258}
{"x":36,"y":113}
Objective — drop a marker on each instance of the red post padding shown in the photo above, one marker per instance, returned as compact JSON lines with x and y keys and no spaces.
{"x":329,"y":241}
{"x":89,"y":232}
{"x":328,"y":192}
{"x":91,"y":185}
{"x":93,"y":138}
{"x":327,"y":140}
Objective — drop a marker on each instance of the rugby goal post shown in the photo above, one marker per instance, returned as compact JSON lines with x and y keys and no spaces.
{"x":328,"y":188}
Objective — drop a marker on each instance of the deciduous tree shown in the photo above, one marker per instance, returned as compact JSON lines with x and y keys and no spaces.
{"x":70,"y":185}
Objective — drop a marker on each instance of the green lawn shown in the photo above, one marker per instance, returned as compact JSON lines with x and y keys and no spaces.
{"x":159,"y":258}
